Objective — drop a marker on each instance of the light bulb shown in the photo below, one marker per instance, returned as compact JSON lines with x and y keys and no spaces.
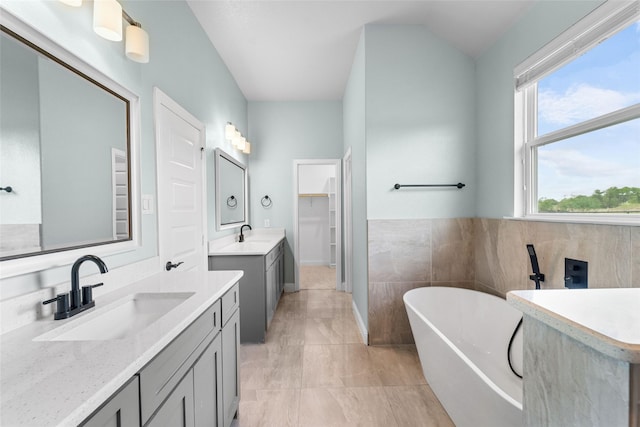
{"x":107,"y":19}
{"x":137,"y":44}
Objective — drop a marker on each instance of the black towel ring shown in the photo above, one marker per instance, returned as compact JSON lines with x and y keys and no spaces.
{"x":232,"y":202}
{"x":266,"y":202}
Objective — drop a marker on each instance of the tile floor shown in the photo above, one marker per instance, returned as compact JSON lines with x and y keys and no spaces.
{"x":317,"y":277}
{"x":314,"y":370}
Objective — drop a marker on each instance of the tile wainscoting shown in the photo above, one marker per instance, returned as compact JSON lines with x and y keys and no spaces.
{"x":488,"y":255}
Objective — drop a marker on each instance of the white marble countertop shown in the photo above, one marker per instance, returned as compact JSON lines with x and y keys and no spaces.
{"x":607,"y":320}
{"x":62,"y":382}
{"x":257,"y":242}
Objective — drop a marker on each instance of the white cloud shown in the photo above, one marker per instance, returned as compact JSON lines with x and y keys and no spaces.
{"x":581,"y":102}
{"x":576,"y":164}
{"x":567,"y":173}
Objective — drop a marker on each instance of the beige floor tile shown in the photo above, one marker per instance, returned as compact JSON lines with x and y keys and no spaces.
{"x":329,"y":312}
{"x":354,"y":406}
{"x":317,"y":277}
{"x":282,"y":331}
{"x":266,"y":366}
{"x":397,"y":365}
{"x":345,"y":383}
{"x":344,"y":365}
{"x":269,"y":408}
{"x":327,"y":298}
{"x":339,"y":330}
{"x":417,"y":406}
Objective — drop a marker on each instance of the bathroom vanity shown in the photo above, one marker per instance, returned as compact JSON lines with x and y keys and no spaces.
{"x":581,"y":356}
{"x":261,"y":257}
{"x":161,"y":351}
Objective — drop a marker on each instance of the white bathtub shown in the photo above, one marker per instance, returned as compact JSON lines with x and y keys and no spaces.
{"x":462,"y":337}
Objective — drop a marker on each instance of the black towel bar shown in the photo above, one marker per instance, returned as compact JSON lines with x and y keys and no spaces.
{"x":399,"y":186}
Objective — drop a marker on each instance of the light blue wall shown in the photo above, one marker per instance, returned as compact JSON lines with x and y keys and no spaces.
{"x":354,"y":113}
{"x":184,"y":64}
{"x":279,"y":133}
{"x":420,"y":122}
{"x":495,"y":95}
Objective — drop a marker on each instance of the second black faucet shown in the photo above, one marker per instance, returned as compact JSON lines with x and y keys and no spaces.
{"x":241,"y":238}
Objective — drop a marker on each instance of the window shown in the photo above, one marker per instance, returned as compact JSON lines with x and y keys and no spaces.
{"x":578,"y":121}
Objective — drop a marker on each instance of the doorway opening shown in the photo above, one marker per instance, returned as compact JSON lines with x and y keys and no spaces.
{"x":318,"y":224}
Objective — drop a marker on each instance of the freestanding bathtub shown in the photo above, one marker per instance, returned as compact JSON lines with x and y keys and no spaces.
{"x":462,"y":337}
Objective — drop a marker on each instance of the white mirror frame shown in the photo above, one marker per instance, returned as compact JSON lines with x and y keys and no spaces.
{"x":219,"y":226}
{"x":30,"y":264}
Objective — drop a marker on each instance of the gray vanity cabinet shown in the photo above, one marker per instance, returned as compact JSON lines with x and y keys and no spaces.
{"x":193,"y":381}
{"x":274,"y":279}
{"x":231,"y":372}
{"x":178,"y":409}
{"x":121,"y":410}
{"x":207,"y":386}
{"x":260,"y":288}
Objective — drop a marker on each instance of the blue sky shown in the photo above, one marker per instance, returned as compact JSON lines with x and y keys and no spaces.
{"x":603,"y":80}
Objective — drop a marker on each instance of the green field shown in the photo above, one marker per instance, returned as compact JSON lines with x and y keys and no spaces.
{"x":613,"y":200}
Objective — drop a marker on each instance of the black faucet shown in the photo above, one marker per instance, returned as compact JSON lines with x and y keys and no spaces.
{"x":241,"y":238}
{"x":77,"y":300}
{"x":537,"y":277}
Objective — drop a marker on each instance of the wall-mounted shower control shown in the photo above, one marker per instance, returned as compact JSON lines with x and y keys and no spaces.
{"x":575,"y":274}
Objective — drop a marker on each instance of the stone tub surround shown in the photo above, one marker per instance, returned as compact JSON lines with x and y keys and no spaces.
{"x":407,"y":254}
{"x":487,"y":255}
{"x":581,"y":356}
{"x":63,"y":382}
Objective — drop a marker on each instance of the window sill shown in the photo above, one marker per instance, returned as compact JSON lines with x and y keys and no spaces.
{"x":627,"y":220}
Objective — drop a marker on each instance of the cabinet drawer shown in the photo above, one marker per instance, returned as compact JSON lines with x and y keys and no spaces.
{"x":230,"y":302}
{"x":165,"y":371}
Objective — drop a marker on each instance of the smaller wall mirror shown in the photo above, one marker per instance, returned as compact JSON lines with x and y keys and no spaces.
{"x":232,"y":209}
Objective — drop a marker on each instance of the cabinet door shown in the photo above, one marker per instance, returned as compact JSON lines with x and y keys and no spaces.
{"x":121,"y":410}
{"x":230,"y":368}
{"x":207,"y":386}
{"x":281,"y":276}
{"x":178,"y":409}
{"x":270,"y":284}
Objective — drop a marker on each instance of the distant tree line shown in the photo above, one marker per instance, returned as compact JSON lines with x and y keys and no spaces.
{"x":612,"y":199}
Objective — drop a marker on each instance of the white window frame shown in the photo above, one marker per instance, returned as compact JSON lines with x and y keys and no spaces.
{"x":604,"y":21}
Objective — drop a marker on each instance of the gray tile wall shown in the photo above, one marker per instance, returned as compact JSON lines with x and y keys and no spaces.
{"x":487,"y":255}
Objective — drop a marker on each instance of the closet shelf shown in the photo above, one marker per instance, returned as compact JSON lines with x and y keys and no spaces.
{"x":313,"y":195}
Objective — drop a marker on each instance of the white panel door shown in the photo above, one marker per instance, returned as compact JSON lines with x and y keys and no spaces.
{"x":181,"y":219}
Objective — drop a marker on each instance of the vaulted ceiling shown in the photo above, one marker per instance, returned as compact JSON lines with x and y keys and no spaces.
{"x":304,"y":49}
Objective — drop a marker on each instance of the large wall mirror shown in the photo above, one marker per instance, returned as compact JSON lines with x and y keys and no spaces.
{"x":231,"y":191}
{"x":65,"y":150}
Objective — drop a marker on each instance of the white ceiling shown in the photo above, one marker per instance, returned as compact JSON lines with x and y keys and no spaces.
{"x":304,"y":49}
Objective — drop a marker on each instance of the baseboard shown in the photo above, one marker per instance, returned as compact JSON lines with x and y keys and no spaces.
{"x":360,"y":323}
{"x":289,"y":287}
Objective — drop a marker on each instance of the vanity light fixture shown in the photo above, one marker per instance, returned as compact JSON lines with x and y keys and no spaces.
{"x":236,"y":138}
{"x":242,"y":141}
{"x":229,"y":131}
{"x":239,"y":142}
{"x":137,"y":43}
{"x":107,"y":22}
{"x":107,"y":19}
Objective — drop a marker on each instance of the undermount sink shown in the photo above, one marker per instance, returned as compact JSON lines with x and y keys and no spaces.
{"x":120,"y":319}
